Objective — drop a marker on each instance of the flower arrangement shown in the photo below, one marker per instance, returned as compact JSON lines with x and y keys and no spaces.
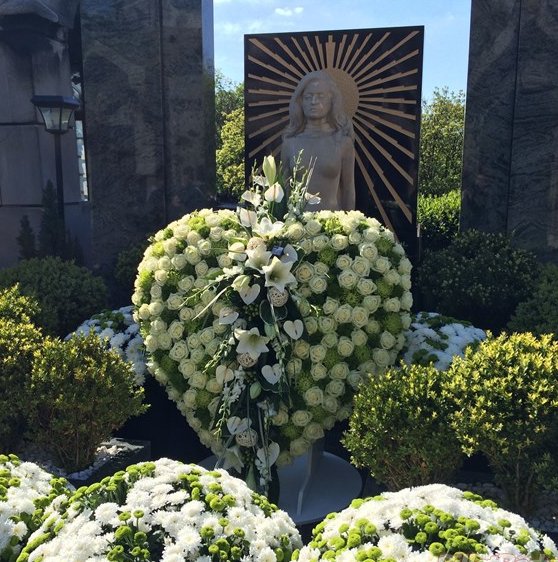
{"x":427,"y":523}
{"x":25,"y":491}
{"x":166,"y":511}
{"x":261,"y":329}
{"x":435,"y":339}
{"x":122,"y":334}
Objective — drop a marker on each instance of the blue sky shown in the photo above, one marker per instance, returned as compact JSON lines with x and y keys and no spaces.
{"x":446,"y":23}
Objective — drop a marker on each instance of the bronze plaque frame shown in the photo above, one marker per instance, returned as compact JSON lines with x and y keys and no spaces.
{"x":379,"y":72}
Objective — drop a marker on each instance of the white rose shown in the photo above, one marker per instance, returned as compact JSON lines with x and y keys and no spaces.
{"x":176,"y":329}
{"x":204,"y":247}
{"x":175,"y":301}
{"x":344,"y":261}
{"x":319,"y":242}
{"x":280,"y":418}
{"x":215,"y":233}
{"x":318,"y":284}
{"x":305,"y":245}
{"x":206,"y":335}
{"x":392,"y":277}
{"x":164,"y":340}
{"x":330,"y":340}
{"x":170,"y":247}
{"x":327,"y":324}
{"x":193,"y":237}
{"x":321,"y":268}
{"x":314,"y":396}
{"x":345,"y":346}
{"x":179,"y":351}
{"x":344,"y":412}
{"x":330,"y":306}
{"x":405,"y":266}
{"x":179,"y":261}
{"x":347,"y":279}
{"x":366,"y":286}
{"x":313,"y":431}
{"x":354,"y":378}
{"x":198,"y":355}
{"x":186,"y":314}
{"x":294,"y":366}
{"x":373,"y":327}
{"x":361,"y":266}
{"x":318,"y":371}
{"x":224,"y":260}
{"x":339,"y":242}
{"x":312,"y":227}
{"x":143,"y":312}
{"x":393,"y":304}
{"x":406,"y":320}
{"x":201,"y":268}
{"x":192,"y":255}
{"x":335,"y":388}
{"x":284,"y":458}
{"x":151,"y":343}
{"x":330,"y":404}
{"x":161,"y":276}
{"x":304,"y":272}
{"x":164,"y":263}
{"x":186,"y":283}
{"x":299,"y":446}
{"x":368,"y":251}
{"x":371,"y":234}
{"x":407,"y":300}
{"x":187,"y":368}
{"x":156,"y":291}
{"x":181,"y":231}
{"x":214,"y":386}
{"x":311,"y":325}
{"x":189,"y":398}
{"x":371,"y":303}
{"x":406,"y":282}
{"x":295,"y":231}
{"x":343,"y":314}
{"x":212,"y":347}
{"x":212,"y":219}
{"x":359,"y":337}
{"x":387,"y":340}
{"x":381,"y":264}
{"x":381,"y":357}
{"x":317,"y":353}
{"x":198,"y":380}
{"x":339,"y":371}
{"x":359,"y":316}
{"x":194,"y":341}
{"x":301,"y":349}
{"x":149,"y":264}
{"x":301,"y":418}
{"x":157,"y":326}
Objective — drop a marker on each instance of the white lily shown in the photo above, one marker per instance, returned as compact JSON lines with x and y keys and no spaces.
{"x":252,"y":197}
{"x":278,"y":274}
{"x":247,"y":218}
{"x":233,"y":459}
{"x":258,"y":257}
{"x":251,"y":342}
{"x":274,"y":193}
{"x":266,"y":227}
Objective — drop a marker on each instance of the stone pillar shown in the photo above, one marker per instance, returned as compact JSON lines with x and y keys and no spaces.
{"x":149,"y":116}
{"x":510,"y":173}
{"x":33,"y":60}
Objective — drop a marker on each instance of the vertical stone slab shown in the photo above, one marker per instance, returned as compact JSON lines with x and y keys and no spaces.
{"x":533,"y":201}
{"x":147,"y":105}
{"x":489,"y":114}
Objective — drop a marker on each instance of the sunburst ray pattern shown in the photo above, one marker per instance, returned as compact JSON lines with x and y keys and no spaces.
{"x":379,"y":73}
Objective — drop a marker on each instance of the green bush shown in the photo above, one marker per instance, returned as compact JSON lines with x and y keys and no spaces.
{"x":79,"y":393}
{"x":479,"y":277}
{"x":399,"y":430}
{"x":505,"y":397}
{"x":67,"y":294}
{"x":230,"y":156}
{"x":126,"y":269}
{"x":539,"y":313}
{"x":17,"y":307}
{"x":18,"y":342}
{"x":439,"y":219}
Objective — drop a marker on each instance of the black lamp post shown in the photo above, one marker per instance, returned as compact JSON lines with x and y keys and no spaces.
{"x":57,"y":112}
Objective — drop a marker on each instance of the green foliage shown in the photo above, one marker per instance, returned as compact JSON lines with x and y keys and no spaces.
{"x":18,"y":342}
{"x":79,"y":393}
{"x":17,"y":307}
{"x":230,"y":157}
{"x":228,"y":97}
{"x":26,"y":239}
{"x":539,"y":313}
{"x":67,"y":294}
{"x":126,"y":269}
{"x":479,"y":277}
{"x":441,"y":142}
{"x":439,"y":219}
{"x":505,"y":397}
{"x":399,"y":431}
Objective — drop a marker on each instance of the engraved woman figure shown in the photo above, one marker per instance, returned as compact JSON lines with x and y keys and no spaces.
{"x":319,"y":127}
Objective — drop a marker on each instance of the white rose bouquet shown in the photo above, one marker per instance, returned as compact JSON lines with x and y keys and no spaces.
{"x":436,"y":339}
{"x":427,"y":524}
{"x":262,"y":329}
{"x":165,"y":511}
{"x":121,"y":332}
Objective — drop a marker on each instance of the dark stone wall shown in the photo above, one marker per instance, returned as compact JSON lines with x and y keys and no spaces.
{"x":510,"y":175}
{"x":149,"y":115}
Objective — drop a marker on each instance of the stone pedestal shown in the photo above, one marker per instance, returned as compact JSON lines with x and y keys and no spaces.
{"x":149,"y":107}
{"x":510,"y":175}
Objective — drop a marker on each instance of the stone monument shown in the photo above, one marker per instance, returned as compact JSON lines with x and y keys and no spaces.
{"x":510,"y":171}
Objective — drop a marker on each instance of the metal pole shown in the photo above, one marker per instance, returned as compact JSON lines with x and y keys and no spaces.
{"x":59,"y":178}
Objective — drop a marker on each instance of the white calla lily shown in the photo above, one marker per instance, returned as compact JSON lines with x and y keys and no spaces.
{"x":249,"y":294}
{"x":237,"y":425}
{"x":266,"y":227}
{"x":274,"y":194}
{"x":272,"y":374}
{"x":247,"y":218}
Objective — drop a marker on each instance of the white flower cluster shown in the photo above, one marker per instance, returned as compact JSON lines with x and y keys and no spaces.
{"x":169,"y":512}
{"x":436,"y":339}
{"x":262,"y":329}
{"x":122,"y":334}
{"x":426,"y":524}
{"x":22,"y":484}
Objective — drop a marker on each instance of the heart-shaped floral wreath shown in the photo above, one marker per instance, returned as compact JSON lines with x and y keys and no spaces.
{"x":261,"y":330}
